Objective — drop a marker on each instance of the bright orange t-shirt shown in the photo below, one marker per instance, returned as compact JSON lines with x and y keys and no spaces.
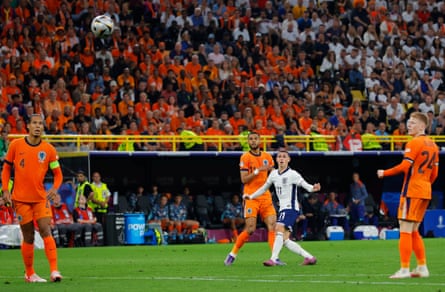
{"x":420,"y":166}
{"x":30,"y":163}
{"x":249,"y":162}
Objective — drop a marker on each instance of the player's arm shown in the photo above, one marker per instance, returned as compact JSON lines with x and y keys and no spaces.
{"x":307,"y":186}
{"x":403,"y":167}
{"x":6,"y":175}
{"x":58,"y":178}
{"x":435,"y":171}
{"x":247,"y":177}
{"x":259,"y":191}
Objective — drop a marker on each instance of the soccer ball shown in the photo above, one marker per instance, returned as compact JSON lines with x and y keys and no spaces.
{"x":102,"y":26}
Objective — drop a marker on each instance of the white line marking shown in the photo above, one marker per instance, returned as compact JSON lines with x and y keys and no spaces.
{"x":246,"y":279}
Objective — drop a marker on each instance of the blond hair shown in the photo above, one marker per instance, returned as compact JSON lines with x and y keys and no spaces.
{"x":421,"y":117}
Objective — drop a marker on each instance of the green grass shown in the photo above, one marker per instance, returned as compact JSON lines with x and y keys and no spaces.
{"x":342,"y":266}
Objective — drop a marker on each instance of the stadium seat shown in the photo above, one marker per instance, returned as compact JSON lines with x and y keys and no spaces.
{"x":143,"y":205}
{"x":123,"y":204}
{"x":219,"y":206}
{"x":202,"y":211}
{"x":358,"y":94}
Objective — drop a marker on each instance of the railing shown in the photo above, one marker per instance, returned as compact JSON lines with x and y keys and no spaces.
{"x":77,"y":142}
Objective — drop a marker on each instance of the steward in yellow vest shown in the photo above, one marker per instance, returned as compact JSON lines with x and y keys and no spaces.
{"x":100,"y":198}
{"x":370,"y":142}
{"x":319,"y":142}
{"x":83,"y":187}
{"x":190,"y":141}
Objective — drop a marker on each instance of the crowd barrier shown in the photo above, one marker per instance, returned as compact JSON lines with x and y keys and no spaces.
{"x":76,"y":143}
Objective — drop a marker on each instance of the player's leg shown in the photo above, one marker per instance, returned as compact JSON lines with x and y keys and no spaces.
{"x":42,"y":212}
{"x":288,"y":217}
{"x":269,"y":216}
{"x":244,"y":235}
{"x":49,"y":242}
{"x":418,"y":245}
{"x":250,"y":214}
{"x":405,"y":241}
{"x":294,"y":247}
{"x":277,"y":246}
{"x":25,"y":214}
{"x":405,"y":249}
{"x":238,"y":223}
{"x":27,"y":247}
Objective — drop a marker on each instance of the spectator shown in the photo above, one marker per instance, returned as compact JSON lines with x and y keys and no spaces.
{"x":337,"y":213}
{"x":358,"y":193}
{"x":335,"y":44}
{"x":382,"y":133}
{"x":427,"y":105}
{"x":65,"y":224}
{"x":353,"y":139}
{"x":313,"y":218}
{"x":160,"y":214}
{"x":181,"y":222}
{"x":154,"y":196}
{"x":356,"y":78}
{"x":4,"y":142}
{"x":233,"y":215}
{"x":395,"y":112}
{"x":371,"y":212}
{"x":84,"y":216}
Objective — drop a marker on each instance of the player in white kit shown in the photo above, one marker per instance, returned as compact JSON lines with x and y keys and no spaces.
{"x":286,"y":181}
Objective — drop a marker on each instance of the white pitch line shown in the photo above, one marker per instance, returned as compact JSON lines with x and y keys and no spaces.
{"x":240,"y":279}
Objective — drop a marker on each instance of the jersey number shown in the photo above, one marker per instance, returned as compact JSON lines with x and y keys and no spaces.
{"x":428,"y":162}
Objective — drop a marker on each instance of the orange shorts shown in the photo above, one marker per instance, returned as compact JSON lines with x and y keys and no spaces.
{"x":27,"y":212}
{"x":412,"y":209}
{"x":264,"y":208}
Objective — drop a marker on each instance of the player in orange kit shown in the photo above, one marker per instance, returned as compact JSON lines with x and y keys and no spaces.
{"x":29,"y":158}
{"x":420,"y":167}
{"x":254,"y":169}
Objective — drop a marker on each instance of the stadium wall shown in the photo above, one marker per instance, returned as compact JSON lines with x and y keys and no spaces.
{"x":218,"y":172}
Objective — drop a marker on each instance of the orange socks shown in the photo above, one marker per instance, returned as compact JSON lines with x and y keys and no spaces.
{"x":405,"y":249}
{"x":51,"y":252}
{"x":242,"y":238}
{"x":28,"y":257}
{"x":271,"y":239}
{"x":418,"y":248}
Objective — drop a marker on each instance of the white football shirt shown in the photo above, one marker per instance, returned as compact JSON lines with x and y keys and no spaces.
{"x":285,"y":184}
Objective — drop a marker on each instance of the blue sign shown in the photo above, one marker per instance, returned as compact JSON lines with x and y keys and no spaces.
{"x":434,"y":222}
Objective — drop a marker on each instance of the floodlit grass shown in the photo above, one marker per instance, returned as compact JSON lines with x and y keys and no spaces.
{"x":342,"y":266}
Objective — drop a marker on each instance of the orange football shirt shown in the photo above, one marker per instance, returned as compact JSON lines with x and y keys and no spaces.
{"x":249,"y":162}
{"x":421,"y":171}
{"x":30,"y":165}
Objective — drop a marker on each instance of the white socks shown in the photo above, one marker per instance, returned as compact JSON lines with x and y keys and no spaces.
{"x":296,"y":248}
{"x":277,"y":246}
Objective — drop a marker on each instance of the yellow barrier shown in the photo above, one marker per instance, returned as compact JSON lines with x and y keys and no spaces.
{"x":77,"y":142}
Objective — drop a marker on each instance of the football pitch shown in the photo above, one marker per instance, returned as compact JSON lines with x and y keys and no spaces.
{"x":342,"y":266}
